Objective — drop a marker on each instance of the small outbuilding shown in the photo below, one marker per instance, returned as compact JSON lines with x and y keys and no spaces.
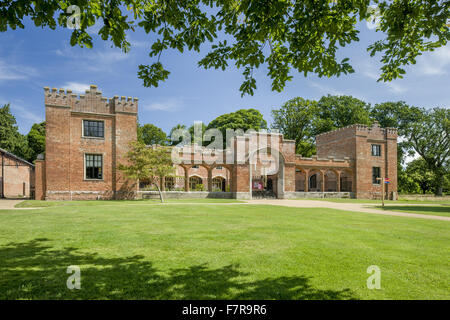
{"x":16,"y":176}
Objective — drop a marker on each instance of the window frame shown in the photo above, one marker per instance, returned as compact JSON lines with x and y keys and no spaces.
{"x":378,"y":148}
{"x":86,"y":167}
{"x":374,"y":179}
{"x":92,"y":137}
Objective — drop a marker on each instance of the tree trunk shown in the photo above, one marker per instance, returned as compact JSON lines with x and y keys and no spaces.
{"x":160,"y":193}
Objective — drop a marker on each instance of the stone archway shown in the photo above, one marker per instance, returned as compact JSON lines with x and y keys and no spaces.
{"x":266,"y":173}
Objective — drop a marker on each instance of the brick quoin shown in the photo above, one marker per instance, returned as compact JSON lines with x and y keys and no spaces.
{"x":342,"y":167}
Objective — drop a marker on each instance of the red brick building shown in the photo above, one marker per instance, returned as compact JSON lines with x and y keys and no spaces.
{"x":86,"y":139}
{"x":16,"y":176}
{"x":88,"y":136}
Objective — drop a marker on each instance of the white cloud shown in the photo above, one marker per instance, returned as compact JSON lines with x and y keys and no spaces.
{"x":395,"y":87}
{"x":19,"y":111}
{"x":99,"y":60}
{"x":434,"y":63}
{"x":10,"y":71}
{"x":170,"y":105}
{"x":369,"y":70}
{"x":76,"y":86}
{"x":325,"y":89}
{"x":25,"y":113}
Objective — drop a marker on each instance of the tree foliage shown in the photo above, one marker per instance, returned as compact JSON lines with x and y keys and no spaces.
{"x":150,"y":134}
{"x":281,"y":35}
{"x":339,"y":111}
{"x":148,"y":164}
{"x":244,"y":119}
{"x":295,"y":120}
{"x":430,"y":138}
{"x":36,"y":139}
{"x":10,"y":138}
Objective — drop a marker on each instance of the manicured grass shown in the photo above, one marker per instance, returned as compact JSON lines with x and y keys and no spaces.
{"x":378,"y":201}
{"x":437,"y":210}
{"x":141,"y":251}
{"x":42,"y":203}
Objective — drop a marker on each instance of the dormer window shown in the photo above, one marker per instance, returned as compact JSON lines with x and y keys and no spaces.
{"x":93,"y":129}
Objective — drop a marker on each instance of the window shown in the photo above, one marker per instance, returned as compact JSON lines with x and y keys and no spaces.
{"x":93,"y":129}
{"x":94,"y":166}
{"x":169,"y":183}
{"x":313,"y":182}
{"x":219,"y":168}
{"x":376,"y":150}
{"x":195,"y":183}
{"x":376,"y":175}
{"x":195,"y":167}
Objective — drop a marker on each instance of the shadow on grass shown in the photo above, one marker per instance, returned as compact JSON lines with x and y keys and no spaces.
{"x":437,"y":210}
{"x":33,"y":270}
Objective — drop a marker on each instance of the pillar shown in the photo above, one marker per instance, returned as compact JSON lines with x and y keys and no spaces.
{"x":306,"y":180}
{"x":338,"y":181}
{"x":209,"y":179}
{"x":322,"y":174}
{"x":186,"y":178}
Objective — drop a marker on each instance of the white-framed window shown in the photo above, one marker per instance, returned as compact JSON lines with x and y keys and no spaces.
{"x":376,"y":150}
{"x":94,"y":128}
{"x":93,"y":164}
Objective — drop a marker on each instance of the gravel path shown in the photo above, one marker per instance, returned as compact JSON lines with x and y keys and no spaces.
{"x":359,"y":207}
{"x":7,"y":204}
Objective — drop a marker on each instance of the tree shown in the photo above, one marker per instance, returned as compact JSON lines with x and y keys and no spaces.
{"x":295,"y":120}
{"x":172,"y":139}
{"x":36,"y":139}
{"x":148,"y":163}
{"x":339,"y":111}
{"x":280,"y":35}
{"x":150,"y":134}
{"x":244,"y":119}
{"x":10,"y":138}
{"x":430,"y":138}
{"x":418,"y":171}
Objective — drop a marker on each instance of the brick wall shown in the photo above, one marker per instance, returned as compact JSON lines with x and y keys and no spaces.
{"x":17,"y":177}
{"x":66,"y":146}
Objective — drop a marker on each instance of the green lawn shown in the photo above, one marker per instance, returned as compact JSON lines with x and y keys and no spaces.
{"x":42,"y":203}
{"x":438,"y":210}
{"x":135,"y":250}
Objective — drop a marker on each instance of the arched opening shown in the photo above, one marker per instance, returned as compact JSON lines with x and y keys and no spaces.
{"x":222,"y":173}
{"x":196,"y":184}
{"x":218,"y":184}
{"x":331,"y":181}
{"x":315,"y":181}
{"x":300,"y":180}
{"x":346,"y":181}
{"x":266,"y":173}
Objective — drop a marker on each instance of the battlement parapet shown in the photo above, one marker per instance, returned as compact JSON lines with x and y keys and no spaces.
{"x":361,"y":129}
{"x":91,"y":102}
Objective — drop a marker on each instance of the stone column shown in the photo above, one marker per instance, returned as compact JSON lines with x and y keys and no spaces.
{"x":186,"y":178}
{"x":338,"y":181}
{"x":209,"y":179}
{"x":322,"y":174}
{"x":306,"y":180}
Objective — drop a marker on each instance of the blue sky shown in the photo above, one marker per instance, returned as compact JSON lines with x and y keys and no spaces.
{"x":33,"y":58}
